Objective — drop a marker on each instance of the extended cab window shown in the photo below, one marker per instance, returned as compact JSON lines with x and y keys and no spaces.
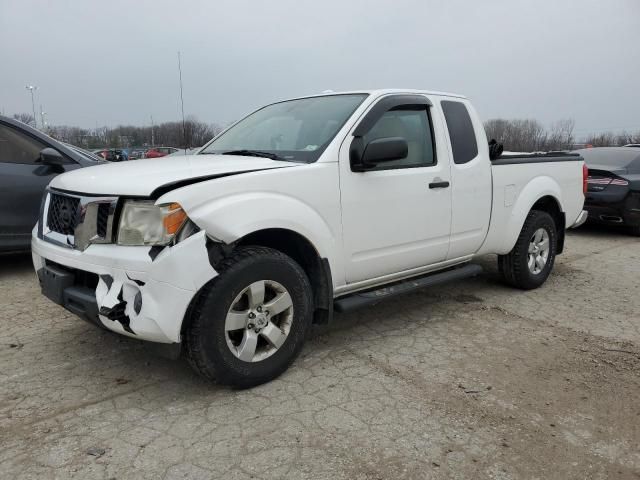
{"x":16,"y":147}
{"x":412,"y":125}
{"x":461,"y":132}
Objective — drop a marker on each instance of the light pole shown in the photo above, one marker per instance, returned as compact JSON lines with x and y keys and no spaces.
{"x":43,"y":122}
{"x":31,"y":88}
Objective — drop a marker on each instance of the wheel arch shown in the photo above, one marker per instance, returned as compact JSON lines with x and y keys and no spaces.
{"x":550,"y":205}
{"x":304,"y":252}
{"x":543,"y":194}
{"x":296,"y":246}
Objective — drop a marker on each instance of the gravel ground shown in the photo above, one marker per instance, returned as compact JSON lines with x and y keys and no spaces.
{"x":469,"y":380}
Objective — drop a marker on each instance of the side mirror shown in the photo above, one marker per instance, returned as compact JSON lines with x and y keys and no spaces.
{"x":50,"y":156}
{"x":377,"y":151}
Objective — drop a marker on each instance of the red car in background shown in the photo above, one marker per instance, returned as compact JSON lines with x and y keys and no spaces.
{"x":156,"y":152}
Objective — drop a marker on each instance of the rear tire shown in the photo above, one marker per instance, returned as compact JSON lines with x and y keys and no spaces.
{"x":529,"y":263}
{"x":232,"y":338}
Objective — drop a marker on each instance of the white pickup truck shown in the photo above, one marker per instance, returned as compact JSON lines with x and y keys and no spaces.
{"x":306,"y":206}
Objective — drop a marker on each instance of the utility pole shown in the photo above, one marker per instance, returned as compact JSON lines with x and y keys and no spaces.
{"x":184,"y":128}
{"x":152,"y":137}
{"x":97,"y":137}
{"x":43,"y":123}
{"x":31,"y":88}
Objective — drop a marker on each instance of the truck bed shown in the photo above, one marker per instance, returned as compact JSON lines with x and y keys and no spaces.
{"x":536,"y":157}
{"x":518,"y":181}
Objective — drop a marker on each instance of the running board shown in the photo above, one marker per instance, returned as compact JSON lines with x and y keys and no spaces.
{"x":371,"y":297}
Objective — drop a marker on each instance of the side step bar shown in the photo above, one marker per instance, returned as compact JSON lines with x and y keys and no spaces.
{"x":371,"y":297}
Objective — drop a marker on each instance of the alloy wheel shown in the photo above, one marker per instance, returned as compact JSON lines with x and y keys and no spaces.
{"x":259,"y":321}
{"x":538,"y":252}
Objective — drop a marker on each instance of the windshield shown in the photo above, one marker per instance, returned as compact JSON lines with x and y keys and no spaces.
{"x":295,"y":130}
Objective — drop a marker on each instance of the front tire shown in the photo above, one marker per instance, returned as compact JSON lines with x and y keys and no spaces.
{"x":531,"y":260}
{"x":250,"y":322}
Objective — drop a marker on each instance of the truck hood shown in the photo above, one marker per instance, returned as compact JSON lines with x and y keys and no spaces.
{"x":144,"y":177}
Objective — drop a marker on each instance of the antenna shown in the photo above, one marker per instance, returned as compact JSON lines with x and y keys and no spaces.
{"x":184,"y":128}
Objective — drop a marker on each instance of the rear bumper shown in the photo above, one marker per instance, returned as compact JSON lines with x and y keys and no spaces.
{"x":581,"y":219}
{"x":613,"y":215}
{"x":614,"y":211}
{"x":126,"y":289}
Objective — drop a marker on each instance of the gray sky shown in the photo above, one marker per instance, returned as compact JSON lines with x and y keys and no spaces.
{"x":115,"y":62}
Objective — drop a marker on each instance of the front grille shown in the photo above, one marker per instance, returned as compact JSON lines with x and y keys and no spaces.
{"x":64,"y":214}
{"x":103,"y":219}
{"x":76,"y":221}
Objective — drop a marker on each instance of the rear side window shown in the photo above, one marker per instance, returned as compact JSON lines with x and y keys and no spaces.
{"x":461,"y":132}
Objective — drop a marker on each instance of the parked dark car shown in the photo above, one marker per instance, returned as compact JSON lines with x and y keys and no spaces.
{"x":613,"y":189}
{"x":29,"y":159}
{"x":112,"y":154}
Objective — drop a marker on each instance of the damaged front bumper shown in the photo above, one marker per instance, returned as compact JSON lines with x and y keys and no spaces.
{"x":142,"y":292}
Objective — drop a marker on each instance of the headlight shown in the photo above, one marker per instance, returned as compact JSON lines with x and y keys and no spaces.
{"x":143,"y":223}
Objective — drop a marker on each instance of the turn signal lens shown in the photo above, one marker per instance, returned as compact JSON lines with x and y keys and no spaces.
{"x":142,"y":222}
{"x":174,"y":219}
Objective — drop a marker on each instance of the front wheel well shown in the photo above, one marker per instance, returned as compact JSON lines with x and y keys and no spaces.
{"x":300,"y":249}
{"x":551,"y":206}
{"x":292,"y":244}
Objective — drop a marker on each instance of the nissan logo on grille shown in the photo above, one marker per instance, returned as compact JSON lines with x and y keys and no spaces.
{"x":63,"y":214}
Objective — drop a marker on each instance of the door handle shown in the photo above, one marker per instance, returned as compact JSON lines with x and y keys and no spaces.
{"x":439,"y":184}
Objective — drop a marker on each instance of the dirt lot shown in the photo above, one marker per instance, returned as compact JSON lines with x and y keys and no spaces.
{"x":472,"y":380}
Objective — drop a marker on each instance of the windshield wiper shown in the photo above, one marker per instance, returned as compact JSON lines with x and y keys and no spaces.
{"x":255,"y":153}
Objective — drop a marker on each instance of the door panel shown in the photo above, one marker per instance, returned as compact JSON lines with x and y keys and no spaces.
{"x":21,"y":189}
{"x":471,"y":178}
{"x":392,"y":220}
{"x":22,"y":184}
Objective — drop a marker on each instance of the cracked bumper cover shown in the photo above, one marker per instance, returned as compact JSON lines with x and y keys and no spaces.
{"x":137,"y":294}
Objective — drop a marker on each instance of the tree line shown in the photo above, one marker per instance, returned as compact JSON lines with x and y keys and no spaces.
{"x":526,"y":135}
{"x":611,"y":139}
{"x":193,"y":133}
{"x":518,"y":135}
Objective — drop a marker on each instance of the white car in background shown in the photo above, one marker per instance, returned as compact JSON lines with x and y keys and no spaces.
{"x":184,"y":151}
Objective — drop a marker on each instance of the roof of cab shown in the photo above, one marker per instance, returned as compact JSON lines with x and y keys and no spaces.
{"x":382,"y":91}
